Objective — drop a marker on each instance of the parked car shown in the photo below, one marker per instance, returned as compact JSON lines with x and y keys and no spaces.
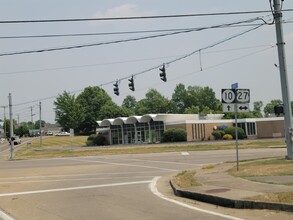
{"x":49,"y":133}
{"x":16,"y":140}
{"x":63,"y":133}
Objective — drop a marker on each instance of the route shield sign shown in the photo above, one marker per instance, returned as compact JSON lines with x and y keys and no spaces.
{"x":242,"y":95}
{"x":235,"y":95}
{"x":228,"y":96}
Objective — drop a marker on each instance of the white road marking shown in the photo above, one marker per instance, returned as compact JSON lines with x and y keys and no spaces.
{"x":4,"y":216}
{"x":74,"y":175}
{"x":153,"y":188}
{"x":166,"y":162}
{"x":73,"y":188}
{"x":120,"y":164}
{"x":184,"y":153}
{"x":69,"y":179}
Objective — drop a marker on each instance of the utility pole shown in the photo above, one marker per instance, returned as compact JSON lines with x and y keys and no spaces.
{"x":284,"y":78}
{"x":40,"y":124}
{"x":4,"y":107}
{"x":11,"y":128}
{"x":32,"y":114}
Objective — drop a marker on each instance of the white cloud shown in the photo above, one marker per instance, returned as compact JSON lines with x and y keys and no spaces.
{"x":119,"y":11}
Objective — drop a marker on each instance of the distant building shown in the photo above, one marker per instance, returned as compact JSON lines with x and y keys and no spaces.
{"x":149,"y":128}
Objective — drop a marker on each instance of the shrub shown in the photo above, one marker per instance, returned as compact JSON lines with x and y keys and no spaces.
{"x":99,"y":140}
{"x":232,"y":131}
{"x":96,"y":140}
{"x":227,"y":137}
{"x":174,"y":135}
{"x":218,"y":134}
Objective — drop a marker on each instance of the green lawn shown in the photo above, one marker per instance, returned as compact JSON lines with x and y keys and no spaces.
{"x":76,"y":146}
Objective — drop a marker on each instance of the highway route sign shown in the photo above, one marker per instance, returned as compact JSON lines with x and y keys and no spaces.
{"x":242,"y":95}
{"x":228,"y":96}
{"x":233,"y":107}
{"x":235,"y":96}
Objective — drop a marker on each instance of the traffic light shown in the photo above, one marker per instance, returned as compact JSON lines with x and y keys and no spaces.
{"x":131,"y":84}
{"x":163,"y":73}
{"x":116,"y":88}
{"x":279,"y":109}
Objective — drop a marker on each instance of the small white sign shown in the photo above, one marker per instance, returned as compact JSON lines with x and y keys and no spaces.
{"x":243,"y":107}
{"x":71,"y":132}
{"x":232,"y":107}
{"x":228,"y":107}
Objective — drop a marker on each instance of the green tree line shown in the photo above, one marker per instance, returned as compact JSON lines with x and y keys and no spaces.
{"x":81,"y":112}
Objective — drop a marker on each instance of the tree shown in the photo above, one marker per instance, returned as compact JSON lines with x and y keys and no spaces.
{"x":269,"y":108}
{"x":207,"y":100}
{"x":130,"y":103}
{"x":22,"y":130}
{"x":153,"y":102}
{"x":69,"y":113}
{"x":195,"y":99}
{"x":192,"y":110}
{"x":92,"y":99}
{"x":7,"y":124}
{"x":257,"y":106}
{"x":180,"y":99}
{"x":111,"y":110}
{"x":37,"y":124}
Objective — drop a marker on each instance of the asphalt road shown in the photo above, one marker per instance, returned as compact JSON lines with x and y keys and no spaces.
{"x":112,"y":187}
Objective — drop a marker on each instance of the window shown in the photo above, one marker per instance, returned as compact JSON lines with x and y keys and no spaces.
{"x":250,"y":128}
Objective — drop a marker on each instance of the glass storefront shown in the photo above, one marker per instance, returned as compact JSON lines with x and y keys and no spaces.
{"x":137,"y":133}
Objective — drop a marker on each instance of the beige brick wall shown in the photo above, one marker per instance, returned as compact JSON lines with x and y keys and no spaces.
{"x":270,"y":129}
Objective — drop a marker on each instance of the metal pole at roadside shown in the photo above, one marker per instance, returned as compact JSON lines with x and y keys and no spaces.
{"x":236,"y":135}
{"x":284,"y":78}
{"x":11,"y":128}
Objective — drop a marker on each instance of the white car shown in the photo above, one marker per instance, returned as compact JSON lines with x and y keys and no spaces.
{"x":63,"y":133}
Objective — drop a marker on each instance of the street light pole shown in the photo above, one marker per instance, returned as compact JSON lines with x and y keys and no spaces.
{"x":284,"y":78}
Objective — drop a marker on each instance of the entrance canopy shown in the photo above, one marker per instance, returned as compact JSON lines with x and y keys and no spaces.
{"x":147,"y":118}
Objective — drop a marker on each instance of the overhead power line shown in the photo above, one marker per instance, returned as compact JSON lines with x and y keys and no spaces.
{"x":117,"y":33}
{"x":136,"y":17}
{"x":153,"y":68}
{"x":130,"y":39}
{"x":123,"y":61}
{"x":190,"y":54}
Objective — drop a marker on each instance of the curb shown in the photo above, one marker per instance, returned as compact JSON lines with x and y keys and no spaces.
{"x":229,"y":203}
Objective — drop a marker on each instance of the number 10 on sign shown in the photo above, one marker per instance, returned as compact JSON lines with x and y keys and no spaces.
{"x":228,"y":96}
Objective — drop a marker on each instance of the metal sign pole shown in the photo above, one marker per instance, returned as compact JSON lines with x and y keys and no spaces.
{"x":236,"y":135}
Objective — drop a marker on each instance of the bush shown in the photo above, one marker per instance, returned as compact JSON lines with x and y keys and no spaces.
{"x":227,"y":137}
{"x":232,"y":131}
{"x":218,"y":134}
{"x":96,"y":140}
{"x":174,"y":135}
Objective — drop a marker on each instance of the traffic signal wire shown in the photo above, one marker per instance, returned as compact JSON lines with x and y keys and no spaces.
{"x":158,"y":66}
{"x":130,"y":39}
{"x":137,"y":17}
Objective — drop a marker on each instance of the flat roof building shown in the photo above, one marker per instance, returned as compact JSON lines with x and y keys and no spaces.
{"x":149,"y":128}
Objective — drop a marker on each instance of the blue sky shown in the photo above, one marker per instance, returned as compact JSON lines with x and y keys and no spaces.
{"x":248,"y":59}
